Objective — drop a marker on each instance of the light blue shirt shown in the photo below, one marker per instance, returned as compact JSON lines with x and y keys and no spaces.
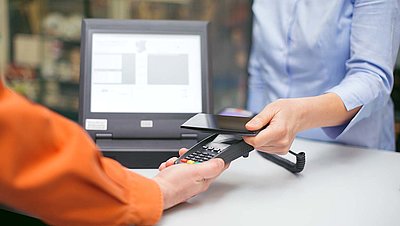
{"x":309,"y":47}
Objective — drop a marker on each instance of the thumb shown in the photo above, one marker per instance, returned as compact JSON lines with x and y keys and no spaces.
{"x":210,"y":168}
{"x":260,"y":120}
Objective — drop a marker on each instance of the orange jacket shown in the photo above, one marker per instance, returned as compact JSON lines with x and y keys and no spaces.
{"x":51,"y":169}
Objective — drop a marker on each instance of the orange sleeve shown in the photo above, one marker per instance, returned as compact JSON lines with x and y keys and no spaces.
{"x":51,"y":169}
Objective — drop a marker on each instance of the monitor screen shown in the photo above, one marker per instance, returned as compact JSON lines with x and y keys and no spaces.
{"x":143,"y":78}
{"x":146,"y":73}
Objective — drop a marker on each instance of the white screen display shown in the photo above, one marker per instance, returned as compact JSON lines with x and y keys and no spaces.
{"x":146,"y":73}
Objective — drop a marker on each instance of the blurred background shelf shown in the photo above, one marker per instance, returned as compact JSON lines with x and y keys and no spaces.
{"x":49,"y":31}
{"x":44,"y":54}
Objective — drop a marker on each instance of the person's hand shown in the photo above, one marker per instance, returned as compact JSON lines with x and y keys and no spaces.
{"x":172,"y":160}
{"x":180,"y":182}
{"x":283,"y":119}
{"x":286,"y":117}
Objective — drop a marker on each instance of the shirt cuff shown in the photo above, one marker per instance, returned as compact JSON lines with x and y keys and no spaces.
{"x":150,"y":200}
{"x":334,"y":132}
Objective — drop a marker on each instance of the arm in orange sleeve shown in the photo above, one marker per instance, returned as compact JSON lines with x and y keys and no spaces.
{"x":51,"y":169}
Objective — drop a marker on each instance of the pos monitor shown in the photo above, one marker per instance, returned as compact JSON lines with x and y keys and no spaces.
{"x":140,"y":80}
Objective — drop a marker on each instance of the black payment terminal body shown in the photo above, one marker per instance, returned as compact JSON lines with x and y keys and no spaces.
{"x":225,"y":146}
{"x":227,"y":143}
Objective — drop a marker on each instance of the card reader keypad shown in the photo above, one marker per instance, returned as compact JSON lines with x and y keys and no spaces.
{"x":202,"y":155}
{"x":225,"y":146}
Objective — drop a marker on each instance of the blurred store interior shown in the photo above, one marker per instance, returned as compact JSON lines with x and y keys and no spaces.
{"x":40,"y":40}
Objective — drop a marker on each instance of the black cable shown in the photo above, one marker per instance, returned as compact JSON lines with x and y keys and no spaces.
{"x":296,"y":167}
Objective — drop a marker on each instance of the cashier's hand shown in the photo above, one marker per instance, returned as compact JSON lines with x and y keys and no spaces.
{"x":283,"y":118}
{"x":180,"y":182}
{"x":286,"y":117}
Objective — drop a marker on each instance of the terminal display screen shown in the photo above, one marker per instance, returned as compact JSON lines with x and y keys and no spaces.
{"x":146,"y":73}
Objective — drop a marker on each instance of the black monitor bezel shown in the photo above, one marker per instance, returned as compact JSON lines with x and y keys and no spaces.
{"x":127,"y":125}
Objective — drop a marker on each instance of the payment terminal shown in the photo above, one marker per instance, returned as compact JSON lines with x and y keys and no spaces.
{"x":226,"y":142}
